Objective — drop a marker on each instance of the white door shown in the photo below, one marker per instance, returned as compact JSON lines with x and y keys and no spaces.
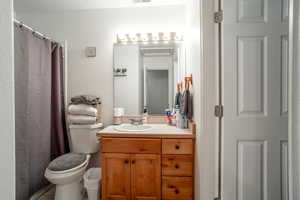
{"x":255,"y":123}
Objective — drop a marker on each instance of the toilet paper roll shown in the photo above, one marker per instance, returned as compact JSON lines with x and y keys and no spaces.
{"x":119,"y":112}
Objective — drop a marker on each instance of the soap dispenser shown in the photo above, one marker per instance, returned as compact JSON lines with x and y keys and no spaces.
{"x":145,"y":114}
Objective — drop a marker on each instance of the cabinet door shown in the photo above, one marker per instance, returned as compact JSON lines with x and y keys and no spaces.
{"x":146,"y":177}
{"x":116,"y":176}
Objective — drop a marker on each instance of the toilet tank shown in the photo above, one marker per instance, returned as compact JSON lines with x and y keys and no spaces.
{"x":84,"y":139}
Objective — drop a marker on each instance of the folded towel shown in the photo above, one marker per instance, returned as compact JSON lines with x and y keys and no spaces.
{"x":82,"y":109}
{"x":81,"y":119}
{"x":85,"y":99}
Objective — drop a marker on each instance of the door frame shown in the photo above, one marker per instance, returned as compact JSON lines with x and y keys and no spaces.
{"x":207,"y":140}
{"x":7,"y":106}
{"x":293,"y":12}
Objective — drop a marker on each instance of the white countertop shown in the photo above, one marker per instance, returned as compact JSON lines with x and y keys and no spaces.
{"x":160,"y":130}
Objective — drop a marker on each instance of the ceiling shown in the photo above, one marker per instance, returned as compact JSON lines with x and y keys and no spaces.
{"x":64,"y":5}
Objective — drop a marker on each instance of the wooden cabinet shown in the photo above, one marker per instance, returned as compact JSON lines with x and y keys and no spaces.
{"x":178,"y":188}
{"x":131,"y":169}
{"x":177,"y":146}
{"x":177,"y":169}
{"x":131,"y":145}
{"x":146,"y":177}
{"x":177,"y":165}
{"x":147,"y":169}
{"x":116,"y":176}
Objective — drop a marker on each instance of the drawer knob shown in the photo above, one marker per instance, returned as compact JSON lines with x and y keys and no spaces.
{"x":133,"y":162}
{"x":171,"y":186}
{"x":176,"y":191}
{"x":126,"y":161}
{"x":176,"y":166}
{"x":177,"y":147}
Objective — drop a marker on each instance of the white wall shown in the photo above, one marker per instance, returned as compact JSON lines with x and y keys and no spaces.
{"x":98,"y":28}
{"x":202,"y":64}
{"x":7,"y":120}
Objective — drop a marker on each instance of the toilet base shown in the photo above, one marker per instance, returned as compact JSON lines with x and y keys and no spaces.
{"x":72,"y":191}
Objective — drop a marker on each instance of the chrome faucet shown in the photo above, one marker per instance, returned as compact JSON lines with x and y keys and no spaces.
{"x":136,"y":122}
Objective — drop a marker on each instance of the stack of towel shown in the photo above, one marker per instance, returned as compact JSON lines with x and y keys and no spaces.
{"x":84,"y":109}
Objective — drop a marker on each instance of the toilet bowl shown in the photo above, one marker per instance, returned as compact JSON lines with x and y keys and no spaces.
{"x":67,"y":171}
{"x":68,"y":182}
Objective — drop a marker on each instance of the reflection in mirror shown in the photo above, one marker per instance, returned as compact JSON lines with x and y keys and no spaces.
{"x":145,"y":76}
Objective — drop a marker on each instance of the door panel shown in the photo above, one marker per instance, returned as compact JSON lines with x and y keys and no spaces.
{"x":252,"y":11}
{"x":116,"y":176}
{"x":284,"y":74}
{"x":255,"y":123}
{"x":146,"y":177}
{"x":284,"y":171}
{"x":252,"y":70}
{"x":252,"y":163}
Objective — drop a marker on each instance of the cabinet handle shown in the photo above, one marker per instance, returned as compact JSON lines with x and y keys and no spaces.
{"x":177,"y":147}
{"x":133,"y":162}
{"x":176,"y":166}
{"x":176,"y":191}
{"x":126,"y":161}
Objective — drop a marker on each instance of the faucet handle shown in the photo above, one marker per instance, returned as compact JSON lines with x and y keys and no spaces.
{"x":136,"y":121}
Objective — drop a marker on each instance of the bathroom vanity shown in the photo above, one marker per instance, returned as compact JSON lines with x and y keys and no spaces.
{"x":148,"y":165}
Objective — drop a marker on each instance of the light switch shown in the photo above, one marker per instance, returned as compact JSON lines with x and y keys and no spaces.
{"x":90,"y":52}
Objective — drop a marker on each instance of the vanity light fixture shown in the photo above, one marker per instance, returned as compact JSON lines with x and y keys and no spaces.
{"x":149,"y":37}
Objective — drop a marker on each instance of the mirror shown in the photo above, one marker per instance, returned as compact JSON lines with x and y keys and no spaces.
{"x":145,"y":76}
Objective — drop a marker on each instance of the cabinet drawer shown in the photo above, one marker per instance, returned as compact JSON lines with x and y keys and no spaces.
{"x":179,"y":188}
{"x":177,"y":165}
{"x":130,"y":145}
{"x":177,"y":146}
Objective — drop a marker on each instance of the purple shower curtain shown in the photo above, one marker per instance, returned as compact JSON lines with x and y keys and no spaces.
{"x":40,"y":123}
{"x":59,"y":137}
{"x":33,"y":108}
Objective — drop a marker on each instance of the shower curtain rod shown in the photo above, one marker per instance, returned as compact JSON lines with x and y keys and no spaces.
{"x":34,"y":31}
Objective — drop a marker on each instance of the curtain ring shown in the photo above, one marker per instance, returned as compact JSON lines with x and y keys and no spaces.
{"x":21,"y":25}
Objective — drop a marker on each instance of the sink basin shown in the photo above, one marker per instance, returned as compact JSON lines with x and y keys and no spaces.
{"x":132,"y":128}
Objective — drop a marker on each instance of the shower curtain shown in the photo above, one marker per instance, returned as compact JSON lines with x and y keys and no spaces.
{"x":59,"y":137}
{"x":35,"y":105}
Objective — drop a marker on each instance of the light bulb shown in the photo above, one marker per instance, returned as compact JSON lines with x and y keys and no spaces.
{"x":166,"y":36}
{"x":133,"y":37}
{"x":145,"y":37}
{"x":155,"y":37}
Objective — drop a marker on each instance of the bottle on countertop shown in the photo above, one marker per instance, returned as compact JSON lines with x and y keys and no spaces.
{"x":169,"y":116}
{"x":145,"y":114}
{"x":177,"y":116}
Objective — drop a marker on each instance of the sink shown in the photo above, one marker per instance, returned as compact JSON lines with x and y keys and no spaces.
{"x":132,"y":128}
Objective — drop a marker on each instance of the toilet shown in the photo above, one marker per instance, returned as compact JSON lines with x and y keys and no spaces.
{"x":67,"y":171}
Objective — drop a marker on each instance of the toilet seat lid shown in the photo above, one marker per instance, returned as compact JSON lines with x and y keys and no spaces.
{"x":67,"y":162}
